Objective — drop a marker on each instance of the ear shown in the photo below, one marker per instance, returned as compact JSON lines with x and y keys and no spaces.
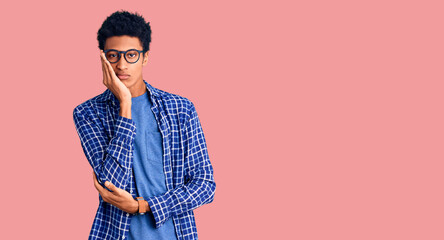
{"x":145,"y":58}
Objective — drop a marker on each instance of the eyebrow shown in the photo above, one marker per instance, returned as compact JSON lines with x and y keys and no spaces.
{"x":120,"y":50}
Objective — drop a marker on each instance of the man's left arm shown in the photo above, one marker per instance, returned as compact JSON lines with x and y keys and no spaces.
{"x":199,"y":187}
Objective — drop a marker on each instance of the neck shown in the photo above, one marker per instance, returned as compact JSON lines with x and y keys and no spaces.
{"x":138,"y":89}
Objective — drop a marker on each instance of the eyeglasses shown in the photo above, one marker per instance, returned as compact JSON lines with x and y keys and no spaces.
{"x":131,"y":55}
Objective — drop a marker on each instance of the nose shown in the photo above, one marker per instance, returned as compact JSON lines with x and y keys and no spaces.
{"x":121,"y":64}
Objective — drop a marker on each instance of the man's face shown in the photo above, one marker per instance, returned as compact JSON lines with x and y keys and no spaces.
{"x":128,"y":73}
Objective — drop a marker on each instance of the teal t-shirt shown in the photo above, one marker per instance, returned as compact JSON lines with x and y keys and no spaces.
{"x":148,"y":170}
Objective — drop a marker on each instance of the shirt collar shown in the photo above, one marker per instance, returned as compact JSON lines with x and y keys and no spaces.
{"x":107,"y":95}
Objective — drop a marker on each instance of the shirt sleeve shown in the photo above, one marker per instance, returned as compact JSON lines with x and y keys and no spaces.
{"x":199,"y":187}
{"x":111,"y":159}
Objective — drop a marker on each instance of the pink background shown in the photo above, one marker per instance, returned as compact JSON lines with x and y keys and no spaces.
{"x":323,"y":119}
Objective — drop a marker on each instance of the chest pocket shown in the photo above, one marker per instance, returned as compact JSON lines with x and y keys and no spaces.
{"x":154,"y":149}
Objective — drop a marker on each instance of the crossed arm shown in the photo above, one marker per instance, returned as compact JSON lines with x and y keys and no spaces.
{"x":109,"y":158}
{"x":117,"y":197}
{"x":111,"y":163}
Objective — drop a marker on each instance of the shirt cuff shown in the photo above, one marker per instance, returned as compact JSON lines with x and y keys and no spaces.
{"x":125,"y":127}
{"x":159,"y":210}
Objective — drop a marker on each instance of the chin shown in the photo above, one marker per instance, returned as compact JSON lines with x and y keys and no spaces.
{"x":127,"y":82}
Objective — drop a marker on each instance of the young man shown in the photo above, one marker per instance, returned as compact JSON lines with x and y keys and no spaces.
{"x":146,"y":146}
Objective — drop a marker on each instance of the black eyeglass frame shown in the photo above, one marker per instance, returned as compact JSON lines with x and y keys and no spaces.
{"x":124,"y":55}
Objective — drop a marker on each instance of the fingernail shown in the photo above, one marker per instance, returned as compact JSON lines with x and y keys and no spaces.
{"x":107,"y":184}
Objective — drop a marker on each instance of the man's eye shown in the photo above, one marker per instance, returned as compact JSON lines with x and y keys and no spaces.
{"x":131,"y":55}
{"x":112,"y":55}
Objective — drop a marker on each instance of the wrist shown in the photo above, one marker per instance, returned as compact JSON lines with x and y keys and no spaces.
{"x":135,"y":207}
{"x":125,"y":102}
{"x":125,"y":109}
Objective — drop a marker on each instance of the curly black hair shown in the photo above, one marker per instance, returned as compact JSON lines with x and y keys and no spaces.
{"x":125,"y":23}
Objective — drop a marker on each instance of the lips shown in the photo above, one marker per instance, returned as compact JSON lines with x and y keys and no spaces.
{"x":122,"y":76}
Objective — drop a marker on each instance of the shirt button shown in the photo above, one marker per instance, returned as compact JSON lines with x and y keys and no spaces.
{"x":123,"y":237}
{"x":127,"y":216}
{"x":131,"y":191}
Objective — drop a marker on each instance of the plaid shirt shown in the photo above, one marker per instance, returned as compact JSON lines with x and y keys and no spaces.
{"x":107,"y":140}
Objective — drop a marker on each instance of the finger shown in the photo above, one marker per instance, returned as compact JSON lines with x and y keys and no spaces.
{"x":99,"y":187}
{"x":106,"y":79}
{"x":104,"y":197}
{"x":101,"y":62}
{"x":111,"y":186}
{"x":96,"y":183}
{"x":102,"y":192}
{"x":110,"y":69}
{"x":103,"y":68}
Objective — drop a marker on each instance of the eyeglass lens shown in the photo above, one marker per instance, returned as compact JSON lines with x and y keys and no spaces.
{"x":131,"y":56}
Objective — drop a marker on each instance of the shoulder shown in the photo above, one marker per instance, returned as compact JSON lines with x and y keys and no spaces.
{"x":91,"y":107}
{"x":175,"y":102}
{"x":177,"y":107}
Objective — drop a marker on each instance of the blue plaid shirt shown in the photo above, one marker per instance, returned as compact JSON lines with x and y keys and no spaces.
{"x":107,"y":140}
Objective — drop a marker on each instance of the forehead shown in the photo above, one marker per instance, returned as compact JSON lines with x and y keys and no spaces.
{"x":123,"y":43}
